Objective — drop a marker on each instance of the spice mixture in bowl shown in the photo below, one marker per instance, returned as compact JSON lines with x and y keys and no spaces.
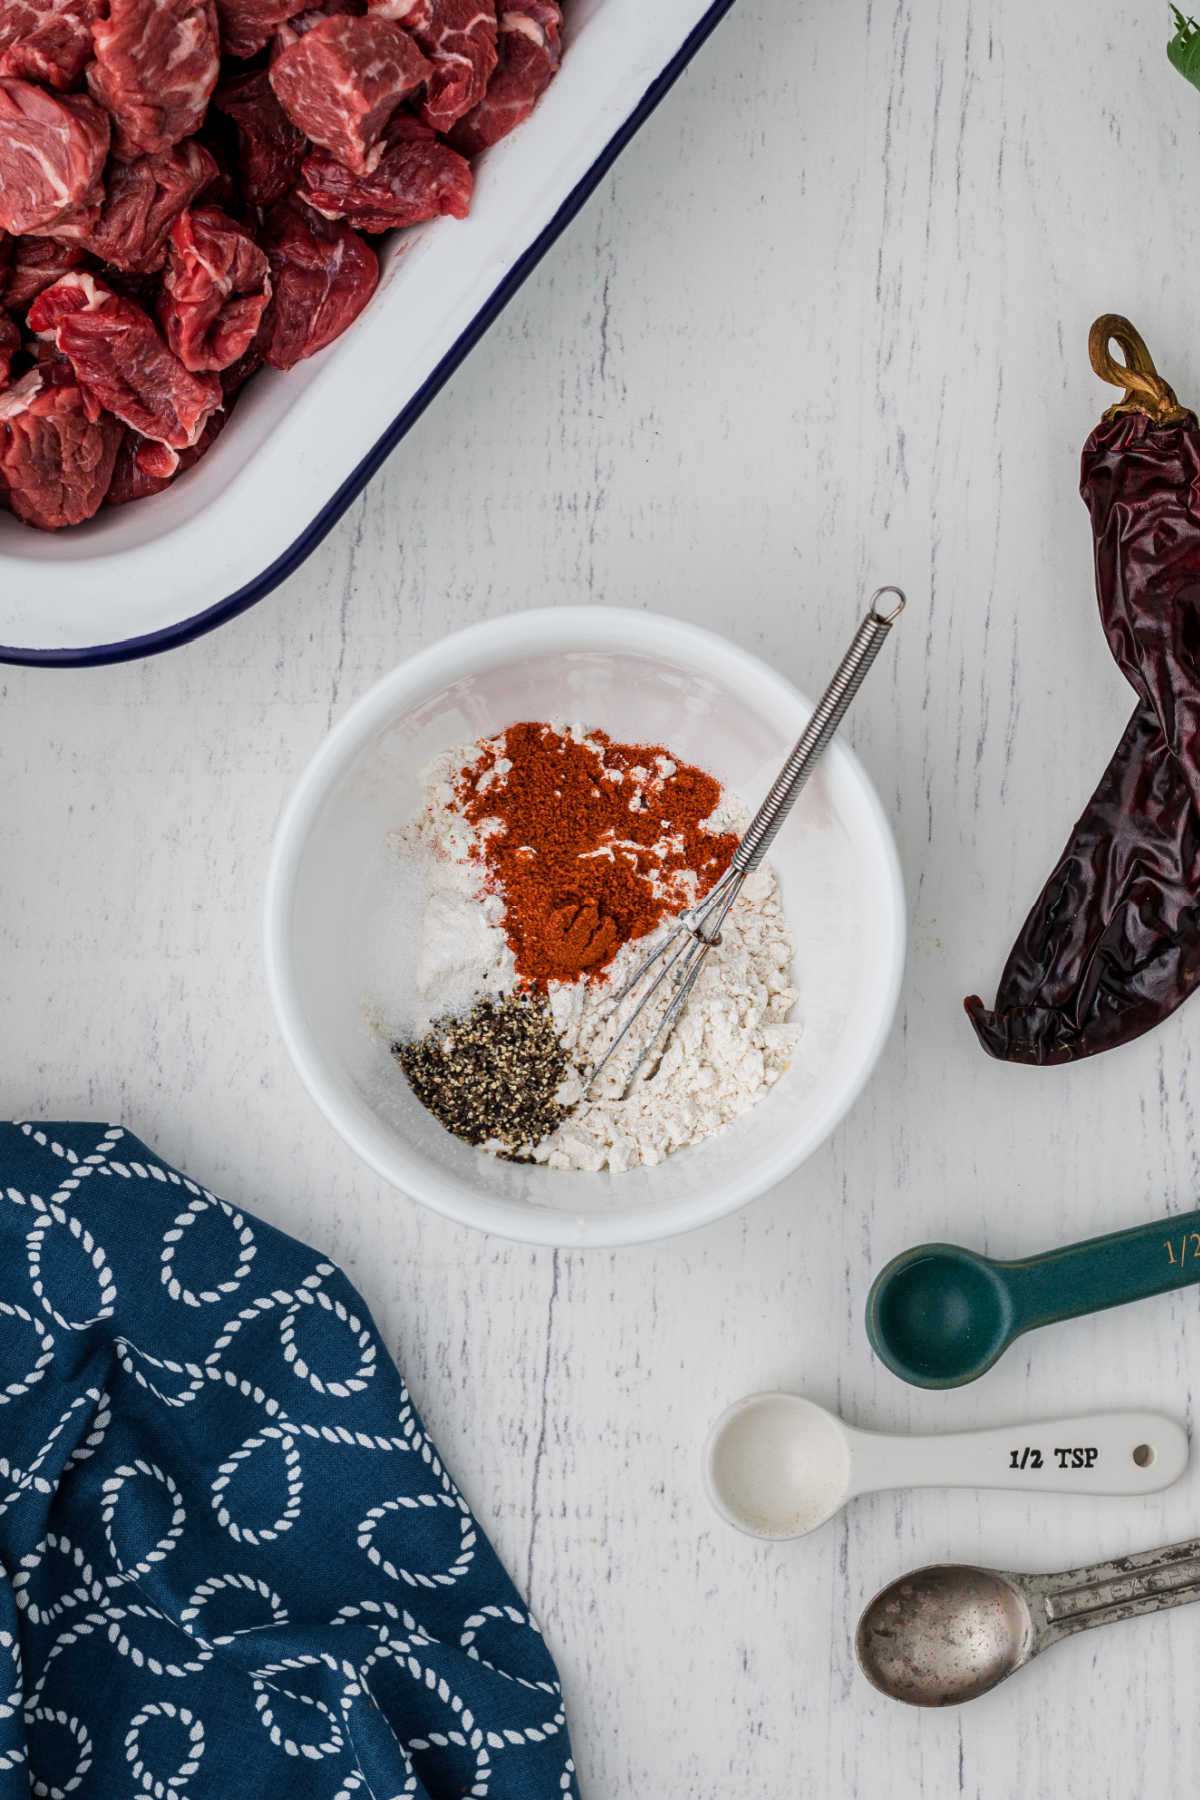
{"x":440,"y":988}
{"x":539,"y":866}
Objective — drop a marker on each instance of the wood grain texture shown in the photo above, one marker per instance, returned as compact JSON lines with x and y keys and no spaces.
{"x":824,"y":326}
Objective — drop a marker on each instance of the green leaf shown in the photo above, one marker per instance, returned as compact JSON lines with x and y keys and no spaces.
{"x":1184,"y":48}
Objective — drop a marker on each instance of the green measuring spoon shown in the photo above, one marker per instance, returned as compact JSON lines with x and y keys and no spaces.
{"x":939,"y":1315}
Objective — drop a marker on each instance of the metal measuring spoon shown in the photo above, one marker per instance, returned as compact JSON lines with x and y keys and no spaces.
{"x":778,"y":1466}
{"x":952,"y":1632}
{"x":939,"y":1315}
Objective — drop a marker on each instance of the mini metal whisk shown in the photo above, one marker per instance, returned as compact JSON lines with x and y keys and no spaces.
{"x":680,"y":954}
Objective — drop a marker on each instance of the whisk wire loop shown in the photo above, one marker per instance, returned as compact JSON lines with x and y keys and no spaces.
{"x":686,"y":942}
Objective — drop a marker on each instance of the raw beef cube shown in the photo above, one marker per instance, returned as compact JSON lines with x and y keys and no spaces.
{"x":155,"y":69}
{"x":323,"y":275}
{"x":6,"y":256}
{"x":417,"y":178}
{"x":52,"y":151}
{"x":459,"y":38}
{"x":10,"y":343}
{"x":36,"y":262}
{"x":341,"y":82}
{"x":529,"y":57}
{"x":215,"y":290}
{"x":122,"y":364}
{"x":142,"y":200}
{"x":246,"y":25}
{"x":55,"y":456}
{"x":270,"y":148}
{"x":46,"y":40}
{"x":138,"y":459}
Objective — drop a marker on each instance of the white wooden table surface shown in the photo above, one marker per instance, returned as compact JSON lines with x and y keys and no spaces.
{"x":824,"y":326}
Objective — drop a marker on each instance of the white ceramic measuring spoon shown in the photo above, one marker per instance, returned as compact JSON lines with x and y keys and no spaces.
{"x":777,"y":1465}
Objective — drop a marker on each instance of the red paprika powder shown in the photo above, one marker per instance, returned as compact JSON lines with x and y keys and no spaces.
{"x":594,"y":843}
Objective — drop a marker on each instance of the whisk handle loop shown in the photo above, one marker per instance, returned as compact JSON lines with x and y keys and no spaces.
{"x":814,"y":739}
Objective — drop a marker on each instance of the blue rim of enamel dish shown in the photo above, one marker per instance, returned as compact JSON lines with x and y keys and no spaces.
{"x":152,"y":642}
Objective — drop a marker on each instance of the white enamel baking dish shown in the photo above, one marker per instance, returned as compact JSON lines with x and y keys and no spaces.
{"x":300,"y":446}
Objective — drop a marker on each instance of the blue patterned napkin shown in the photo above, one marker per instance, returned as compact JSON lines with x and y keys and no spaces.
{"x":231,"y":1563}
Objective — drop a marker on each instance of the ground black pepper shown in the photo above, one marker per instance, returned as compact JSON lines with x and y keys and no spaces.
{"x":492,"y":1075}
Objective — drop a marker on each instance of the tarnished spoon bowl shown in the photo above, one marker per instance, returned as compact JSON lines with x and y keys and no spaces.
{"x":944,"y":1634}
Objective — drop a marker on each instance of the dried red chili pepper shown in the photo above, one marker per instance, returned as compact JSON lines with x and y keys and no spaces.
{"x":1112,"y":945}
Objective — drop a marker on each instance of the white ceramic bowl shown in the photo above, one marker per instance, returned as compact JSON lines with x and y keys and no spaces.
{"x":330,"y":894}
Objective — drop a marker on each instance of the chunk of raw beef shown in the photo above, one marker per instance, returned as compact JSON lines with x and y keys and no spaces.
{"x":155,"y":69}
{"x":270,"y":149}
{"x":6,"y":256}
{"x":215,"y":290}
{"x":46,"y":40}
{"x":10,"y":343}
{"x":246,"y":25}
{"x":138,"y":458}
{"x":122,"y":364}
{"x":36,"y":262}
{"x":417,"y":178}
{"x":459,"y":38}
{"x":530,"y":52}
{"x":56,"y":456}
{"x":323,"y":275}
{"x":340,"y":83}
{"x":142,"y":200}
{"x":52,"y":151}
